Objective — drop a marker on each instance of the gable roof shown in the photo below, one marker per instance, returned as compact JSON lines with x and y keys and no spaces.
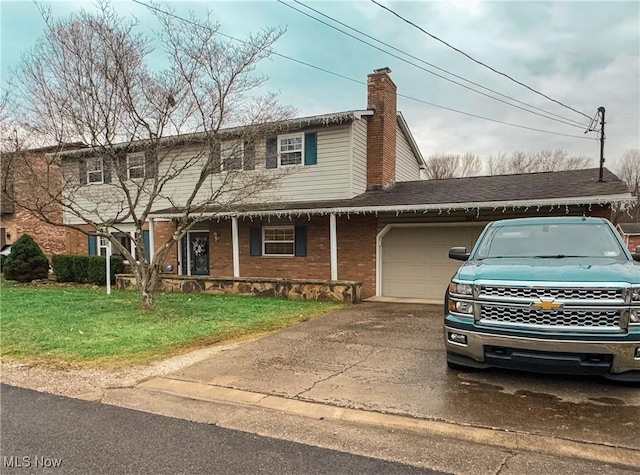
{"x":629,"y":229}
{"x":564,"y":188}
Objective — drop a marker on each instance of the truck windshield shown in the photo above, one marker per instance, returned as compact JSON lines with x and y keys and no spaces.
{"x":552,"y":241}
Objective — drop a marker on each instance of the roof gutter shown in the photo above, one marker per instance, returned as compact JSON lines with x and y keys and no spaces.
{"x":623,"y":200}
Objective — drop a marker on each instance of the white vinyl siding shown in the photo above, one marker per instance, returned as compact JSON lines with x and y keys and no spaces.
{"x":359,"y":161}
{"x":329,"y":178}
{"x":407,"y":168}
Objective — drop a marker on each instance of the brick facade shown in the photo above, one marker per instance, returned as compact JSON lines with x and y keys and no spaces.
{"x":632,"y":242}
{"x":17,"y":221}
{"x":381,"y":129}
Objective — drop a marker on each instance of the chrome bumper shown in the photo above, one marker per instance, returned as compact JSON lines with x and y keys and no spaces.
{"x":622,"y":352}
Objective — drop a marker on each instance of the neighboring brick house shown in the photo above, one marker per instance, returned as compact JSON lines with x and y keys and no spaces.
{"x":631,"y":234}
{"x":355,"y":207}
{"x":15,"y":220}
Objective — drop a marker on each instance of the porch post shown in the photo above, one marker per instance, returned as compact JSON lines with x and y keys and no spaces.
{"x":152,"y":240}
{"x":236,"y":246}
{"x":334,"y":246}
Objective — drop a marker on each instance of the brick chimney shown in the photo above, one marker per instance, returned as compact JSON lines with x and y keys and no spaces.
{"x":381,"y":129}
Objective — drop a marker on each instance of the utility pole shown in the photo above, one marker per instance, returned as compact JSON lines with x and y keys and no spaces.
{"x":602,"y":137}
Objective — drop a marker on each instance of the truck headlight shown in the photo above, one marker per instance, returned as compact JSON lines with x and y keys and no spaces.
{"x":635,"y":294}
{"x":634,"y":315}
{"x":464,"y":307}
{"x":460,"y":289}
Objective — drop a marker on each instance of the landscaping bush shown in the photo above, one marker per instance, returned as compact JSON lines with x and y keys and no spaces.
{"x":63,"y":268}
{"x":26,"y":261}
{"x":86,"y":269}
{"x":97,"y":269}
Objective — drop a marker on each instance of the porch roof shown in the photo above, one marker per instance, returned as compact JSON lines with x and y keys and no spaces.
{"x":553,"y":189}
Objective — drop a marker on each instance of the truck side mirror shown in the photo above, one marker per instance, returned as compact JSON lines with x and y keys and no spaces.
{"x":458,"y":253}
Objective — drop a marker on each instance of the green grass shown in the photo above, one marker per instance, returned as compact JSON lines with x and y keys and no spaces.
{"x":59,"y":326}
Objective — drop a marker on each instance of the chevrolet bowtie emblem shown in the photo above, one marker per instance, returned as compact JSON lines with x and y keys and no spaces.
{"x":546,"y":305}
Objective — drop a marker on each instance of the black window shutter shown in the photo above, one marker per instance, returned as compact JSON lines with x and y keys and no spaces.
{"x":249,"y":155}
{"x":301,"y":241}
{"x":255,"y":248}
{"x":311,"y":148}
{"x":272,"y":153}
{"x":83,"y":172}
{"x":121,"y":165}
{"x":214,"y":158}
{"x":106,"y":170}
{"x":150,"y":163}
{"x":92,"y":244}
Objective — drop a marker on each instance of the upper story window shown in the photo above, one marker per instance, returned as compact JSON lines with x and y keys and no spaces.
{"x":95,"y":172}
{"x":278,"y":241}
{"x":135,"y":166}
{"x":290,"y":149}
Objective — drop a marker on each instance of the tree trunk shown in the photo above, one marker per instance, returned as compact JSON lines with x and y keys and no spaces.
{"x":147,"y":285}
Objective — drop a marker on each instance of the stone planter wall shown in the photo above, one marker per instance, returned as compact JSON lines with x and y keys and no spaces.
{"x":339,"y":290}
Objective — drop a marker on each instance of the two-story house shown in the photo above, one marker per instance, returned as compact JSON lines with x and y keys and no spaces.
{"x":351,"y":205}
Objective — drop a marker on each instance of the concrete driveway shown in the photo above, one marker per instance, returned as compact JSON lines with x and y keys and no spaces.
{"x":390,"y":358}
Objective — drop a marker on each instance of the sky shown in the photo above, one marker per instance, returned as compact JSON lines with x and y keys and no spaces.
{"x":583,"y":54}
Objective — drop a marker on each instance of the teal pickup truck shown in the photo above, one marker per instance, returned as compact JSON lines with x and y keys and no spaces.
{"x":551,"y":295}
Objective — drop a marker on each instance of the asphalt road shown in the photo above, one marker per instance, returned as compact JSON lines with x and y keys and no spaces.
{"x":43,"y":433}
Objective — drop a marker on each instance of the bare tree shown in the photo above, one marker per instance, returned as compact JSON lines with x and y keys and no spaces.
{"x":183,"y":138}
{"x":442,"y":165}
{"x":540,"y":161}
{"x":628,"y":169}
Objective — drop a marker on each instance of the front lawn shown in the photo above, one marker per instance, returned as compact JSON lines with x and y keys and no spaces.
{"x":71,"y":325}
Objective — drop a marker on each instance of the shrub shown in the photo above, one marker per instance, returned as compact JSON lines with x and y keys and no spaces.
{"x":62,"y":268}
{"x":83,"y":269}
{"x":97,"y":269}
{"x":26,"y":261}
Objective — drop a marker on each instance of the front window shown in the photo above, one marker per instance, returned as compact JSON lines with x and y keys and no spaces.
{"x":94,"y":171}
{"x":278,"y":241}
{"x":135,"y":166}
{"x":290,"y":149}
{"x":550,"y":241}
{"x":103,"y":245}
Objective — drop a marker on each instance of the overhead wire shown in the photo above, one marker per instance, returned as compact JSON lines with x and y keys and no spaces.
{"x":357,"y":81}
{"x":475,"y":60}
{"x":565,"y":120}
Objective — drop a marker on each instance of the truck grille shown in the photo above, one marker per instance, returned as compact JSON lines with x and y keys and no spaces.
{"x":585,"y":293}
{"x":556,"y":318}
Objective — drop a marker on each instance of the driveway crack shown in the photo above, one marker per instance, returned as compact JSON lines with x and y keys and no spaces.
{"x":504,"y":463}
{"x":337,"y":373}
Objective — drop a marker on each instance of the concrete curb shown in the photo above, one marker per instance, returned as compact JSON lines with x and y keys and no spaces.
{"x":512,"y":440}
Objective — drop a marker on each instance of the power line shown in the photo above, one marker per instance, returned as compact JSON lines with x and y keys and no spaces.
{"x":475,"y":60}
{"x":565,"y":120}
{"x":357,"y":81}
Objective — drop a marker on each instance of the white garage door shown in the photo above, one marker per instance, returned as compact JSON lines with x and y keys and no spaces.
{"x":415,"y":260}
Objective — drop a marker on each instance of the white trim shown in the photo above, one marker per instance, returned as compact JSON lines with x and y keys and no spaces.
{"x":333,"y":240}
{"x":152,"y":240}
{"x":383,"y":232}
{"x":236,"y":247}
{"x":292,"y":227}
{"x":440,"y":207}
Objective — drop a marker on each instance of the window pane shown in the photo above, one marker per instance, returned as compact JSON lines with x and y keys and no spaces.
{"x":279,"y":248}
